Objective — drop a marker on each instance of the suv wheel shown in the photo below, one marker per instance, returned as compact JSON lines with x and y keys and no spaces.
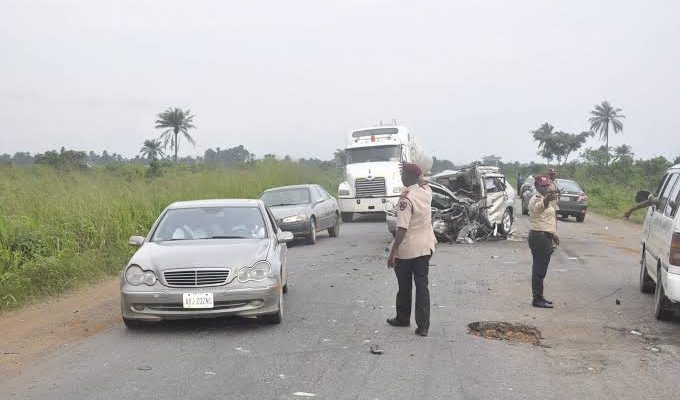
{"x":663,"y":310}
{"x":506,"y":222}
{"x":646,"y":282}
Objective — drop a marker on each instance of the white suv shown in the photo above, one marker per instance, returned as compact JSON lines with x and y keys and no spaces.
{"x":660,"y":254}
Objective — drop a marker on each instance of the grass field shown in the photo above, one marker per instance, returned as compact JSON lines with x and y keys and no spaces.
{"x":60,"y":229}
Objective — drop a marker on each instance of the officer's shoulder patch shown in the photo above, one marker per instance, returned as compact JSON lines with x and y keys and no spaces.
{"x":404,"y":193}
{"x":403,"y":204}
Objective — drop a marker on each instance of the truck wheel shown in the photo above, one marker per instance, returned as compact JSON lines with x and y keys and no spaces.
{"x":646,"y":282}
{"x":580,"y":218}
{"x":525,"y":208}
{"x":663,"y":310}
{"x":347,"y":216}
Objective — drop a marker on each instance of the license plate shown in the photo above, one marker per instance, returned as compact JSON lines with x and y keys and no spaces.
{"x":565,"y":198}
{"x":198,"y":300}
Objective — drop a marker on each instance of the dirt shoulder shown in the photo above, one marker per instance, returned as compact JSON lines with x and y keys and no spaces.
{"x":40,"y":328}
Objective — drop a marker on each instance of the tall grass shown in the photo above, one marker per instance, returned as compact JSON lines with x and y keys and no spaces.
{"x":59,"y":229}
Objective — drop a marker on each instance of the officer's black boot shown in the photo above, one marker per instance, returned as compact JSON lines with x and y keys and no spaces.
{"x":540,"y":302}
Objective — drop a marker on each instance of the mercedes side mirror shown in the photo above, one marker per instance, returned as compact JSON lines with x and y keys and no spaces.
{"x":284,"y":237}
{"x":136,"y":241}
{"x":641,"y":196}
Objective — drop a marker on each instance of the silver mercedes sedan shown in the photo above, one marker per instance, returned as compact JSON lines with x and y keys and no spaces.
{"x":205,"y":259}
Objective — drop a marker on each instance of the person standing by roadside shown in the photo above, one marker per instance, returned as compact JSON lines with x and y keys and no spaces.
{"x":412,"y":248}
{"x":552,"y":174}
{"x":542,"y":237}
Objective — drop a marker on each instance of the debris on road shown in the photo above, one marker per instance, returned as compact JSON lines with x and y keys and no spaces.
{"x":506,"y":331}
{"x":144,"y":368}
{"x":375,"y":349}
{"x":636,"y":333}
{"x":618,"y":302}
{"x":304,"y":394}
{"x":242,"y":350}
{"x":209,"y":373}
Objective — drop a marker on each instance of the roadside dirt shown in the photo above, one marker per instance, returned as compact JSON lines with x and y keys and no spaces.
{"x":44,"y":327}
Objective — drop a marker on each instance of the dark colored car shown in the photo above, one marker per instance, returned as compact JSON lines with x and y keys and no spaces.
{"x":303,"y":210}
{"x":573,"y":201}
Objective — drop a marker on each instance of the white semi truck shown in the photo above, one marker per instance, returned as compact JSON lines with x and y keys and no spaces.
{"x":372,"y":176}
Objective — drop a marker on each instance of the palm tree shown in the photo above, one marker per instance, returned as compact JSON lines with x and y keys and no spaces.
{"x":152,"y":149}
{"x":602,"y":116}
{"x":543,"y":136}
{"x":623,"y":152}
{"x":175,"y":121}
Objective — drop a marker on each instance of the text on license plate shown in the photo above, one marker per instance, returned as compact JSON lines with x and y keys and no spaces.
{"x":565,"y":198}
{"x":198,"y":300}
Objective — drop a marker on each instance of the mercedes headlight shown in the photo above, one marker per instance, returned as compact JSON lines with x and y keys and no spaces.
{"x":295,"y":218}
{"x":343,"y":192}
{"x":398,"y":189}
{"x":257,"y":272}
{"x":136,"y":276}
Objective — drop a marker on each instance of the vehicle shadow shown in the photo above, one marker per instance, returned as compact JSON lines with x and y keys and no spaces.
{"x":379,"y":217}
{"x":233,"y":324}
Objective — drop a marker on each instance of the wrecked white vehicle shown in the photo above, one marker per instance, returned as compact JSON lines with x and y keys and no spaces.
{"x":469,"y":204}
{"x":486,"y":205}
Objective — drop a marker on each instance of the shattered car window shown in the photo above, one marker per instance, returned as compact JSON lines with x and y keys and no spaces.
{"x":491,"y":185}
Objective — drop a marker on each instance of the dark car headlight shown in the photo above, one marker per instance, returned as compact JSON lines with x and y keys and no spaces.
{"x":258,"y":272}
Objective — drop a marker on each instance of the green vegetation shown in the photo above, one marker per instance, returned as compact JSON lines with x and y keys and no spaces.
{"x":61,"y":227}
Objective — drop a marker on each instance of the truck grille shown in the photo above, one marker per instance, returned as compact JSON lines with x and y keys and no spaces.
{"x":370,"y":187}
{"x":196,"y":277}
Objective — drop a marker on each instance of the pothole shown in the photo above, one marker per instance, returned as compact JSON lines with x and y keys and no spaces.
{"x":506,"y":331}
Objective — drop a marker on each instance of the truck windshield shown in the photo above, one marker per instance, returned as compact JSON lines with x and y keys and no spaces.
{"x":373,"y":154}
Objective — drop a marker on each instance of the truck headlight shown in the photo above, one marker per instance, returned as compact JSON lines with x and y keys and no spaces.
{"x":135,"y":275}
{"x":343,"y":192}
{"x":257,"y":272}
{"x":294,"y":218}
{"x":398,"y":189}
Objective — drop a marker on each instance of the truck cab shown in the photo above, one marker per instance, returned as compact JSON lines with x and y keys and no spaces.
{"x":372,"y":177}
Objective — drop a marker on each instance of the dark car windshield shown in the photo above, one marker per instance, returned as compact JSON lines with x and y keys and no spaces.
{"x":568,"y":186}
{"x":211,"y":223}
{"x":286,"y":197}
{"x":373,"y":154}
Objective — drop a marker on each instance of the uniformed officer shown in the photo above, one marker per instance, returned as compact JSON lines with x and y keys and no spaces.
{"x":542,"y":237}
{"x":552,"y":174}
{"x":412,"y":248}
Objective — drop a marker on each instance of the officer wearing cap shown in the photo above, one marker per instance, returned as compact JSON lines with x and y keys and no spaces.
{"x":412,"y":248}
{"x":542,"y":237}
{"x":552,"y":174}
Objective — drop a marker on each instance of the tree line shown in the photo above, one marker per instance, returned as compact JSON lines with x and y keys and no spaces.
{"x":556,"y":145}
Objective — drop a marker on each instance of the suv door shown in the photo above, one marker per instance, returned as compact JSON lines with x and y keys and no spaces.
{"x":661,"y":224}
{"x":496,"y":196}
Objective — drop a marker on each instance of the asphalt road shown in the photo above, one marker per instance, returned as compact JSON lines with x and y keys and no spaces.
{"x":340,"y":295}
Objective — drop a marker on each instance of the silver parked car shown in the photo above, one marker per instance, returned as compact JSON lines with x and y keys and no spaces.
{"x":204,"y":259}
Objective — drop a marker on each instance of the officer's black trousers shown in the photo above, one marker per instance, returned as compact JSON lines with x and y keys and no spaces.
{"x":541,"y":245}
{"x":415,"y":269}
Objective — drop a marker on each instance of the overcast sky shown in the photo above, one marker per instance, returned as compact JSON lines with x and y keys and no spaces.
{"x":293,"y":77}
